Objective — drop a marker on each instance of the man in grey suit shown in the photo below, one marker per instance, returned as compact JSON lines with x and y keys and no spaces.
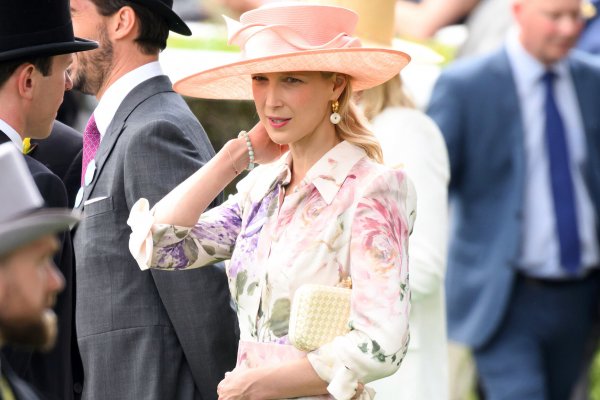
{"x":141,"y":335}
{"x":523,"y":135}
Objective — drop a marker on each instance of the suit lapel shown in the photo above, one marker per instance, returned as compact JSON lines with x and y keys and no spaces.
{"x":142,"y":92}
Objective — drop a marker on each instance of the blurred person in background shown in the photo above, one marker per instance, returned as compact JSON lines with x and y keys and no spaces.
{"x":411,"y":141}
{"x":36,"y":42}
{"x":151,"y":335}
{"x":29,"y":280}
{"x":523,"y":136}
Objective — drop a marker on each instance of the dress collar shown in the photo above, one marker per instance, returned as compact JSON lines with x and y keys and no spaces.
{"x":327,"y":174}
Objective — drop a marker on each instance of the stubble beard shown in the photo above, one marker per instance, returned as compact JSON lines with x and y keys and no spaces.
{"x":94,"y":66}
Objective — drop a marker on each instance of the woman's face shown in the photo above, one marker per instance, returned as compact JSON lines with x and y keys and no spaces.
{"x":295,"y":106}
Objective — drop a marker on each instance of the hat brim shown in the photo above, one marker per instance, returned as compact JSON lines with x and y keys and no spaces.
{"x":367,"y":67}
{"x":34,"y":225}
{"x":49,"y":49}
{"x":174,"y":21}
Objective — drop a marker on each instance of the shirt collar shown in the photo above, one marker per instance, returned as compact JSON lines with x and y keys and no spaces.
{"x":12,"y":134}
{"x":526,"y":68}
{"x":116,"y":93}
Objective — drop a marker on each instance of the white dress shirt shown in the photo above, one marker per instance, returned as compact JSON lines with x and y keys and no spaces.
{"x":12,"y":134}
{"x":540,"y":255}
{"x":116,"y":93}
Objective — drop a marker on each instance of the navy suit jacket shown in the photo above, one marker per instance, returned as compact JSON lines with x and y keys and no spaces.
{"x":475,"y":104}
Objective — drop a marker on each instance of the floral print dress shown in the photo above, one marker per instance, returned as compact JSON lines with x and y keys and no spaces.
{"x":349,"y":217}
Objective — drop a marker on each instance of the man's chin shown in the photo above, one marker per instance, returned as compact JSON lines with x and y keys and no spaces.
{"x":39,"y":335}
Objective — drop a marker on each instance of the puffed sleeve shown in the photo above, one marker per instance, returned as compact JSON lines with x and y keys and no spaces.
{"x":170,"y":247}
{"x":380,"y":303}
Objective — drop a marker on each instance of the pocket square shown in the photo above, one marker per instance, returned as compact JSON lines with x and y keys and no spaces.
{"x":94,"y":200}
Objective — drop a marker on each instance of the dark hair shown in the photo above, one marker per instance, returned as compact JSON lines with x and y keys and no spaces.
{"x":154,"y":31}
{"x":7,"y":68}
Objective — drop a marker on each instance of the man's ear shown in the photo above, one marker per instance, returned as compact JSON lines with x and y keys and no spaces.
{"x":123,"y":23}
{"x":26,"y":80}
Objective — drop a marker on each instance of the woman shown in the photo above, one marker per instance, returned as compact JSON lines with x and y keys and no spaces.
{"x":321,"y":212}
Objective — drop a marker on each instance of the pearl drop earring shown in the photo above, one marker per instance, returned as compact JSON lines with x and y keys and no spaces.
{"x":335,"y":118}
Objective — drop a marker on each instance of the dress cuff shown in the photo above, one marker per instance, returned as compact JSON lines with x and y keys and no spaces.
{"x":141,"y":220}
{"x":343,"y":382}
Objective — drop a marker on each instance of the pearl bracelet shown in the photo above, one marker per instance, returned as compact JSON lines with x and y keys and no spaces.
{"x":251,"y":163}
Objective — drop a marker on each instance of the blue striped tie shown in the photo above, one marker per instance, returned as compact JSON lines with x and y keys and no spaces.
{"x":561,"y":181}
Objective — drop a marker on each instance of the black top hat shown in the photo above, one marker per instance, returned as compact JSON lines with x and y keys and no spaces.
{"x":37,"y":28}
{"x":22,"y":217}
{"x":165,"y":9}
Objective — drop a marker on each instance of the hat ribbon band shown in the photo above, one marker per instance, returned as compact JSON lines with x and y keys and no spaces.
{"x":259,"y":40}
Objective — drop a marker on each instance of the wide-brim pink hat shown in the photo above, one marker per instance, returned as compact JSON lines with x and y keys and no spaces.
{"x":286,"y":37}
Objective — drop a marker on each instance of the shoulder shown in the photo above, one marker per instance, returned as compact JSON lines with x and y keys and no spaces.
{"x":471,"y":71}
{"x":374,"y":179}
{"x":62,"y":145}
{"x":384,"y":190}
{"x":65,"y":134}
{"x":409,"y":134}
{"x":407,"y":124}
{"x":50,"y":186}
{"x":584,"y":65}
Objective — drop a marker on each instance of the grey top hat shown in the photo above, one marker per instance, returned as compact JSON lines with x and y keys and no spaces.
{"x":23,"y":218}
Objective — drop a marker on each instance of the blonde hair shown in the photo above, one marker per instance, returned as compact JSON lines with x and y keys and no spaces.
{"x":352,"y":127}
{"x":388,"y":94}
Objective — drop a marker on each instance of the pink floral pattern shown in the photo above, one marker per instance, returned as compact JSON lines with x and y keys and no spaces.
{"x":348,"y":217}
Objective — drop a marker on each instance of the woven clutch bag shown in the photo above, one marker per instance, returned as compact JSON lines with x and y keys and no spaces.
{"x":319,"y":313}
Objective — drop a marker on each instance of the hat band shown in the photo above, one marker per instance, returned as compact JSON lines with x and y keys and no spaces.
{"x":59,"y":34}
{"x":260,"y":40}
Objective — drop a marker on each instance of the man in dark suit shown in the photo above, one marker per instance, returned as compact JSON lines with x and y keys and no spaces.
{"x":61,"y":153}
{"x":142,"y":335}
{"x":29,"y":280}
{"x":36,"y":46}
{"x":523,"y":135}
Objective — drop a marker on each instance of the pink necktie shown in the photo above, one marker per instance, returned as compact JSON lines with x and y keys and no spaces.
{"x":91,"y":141}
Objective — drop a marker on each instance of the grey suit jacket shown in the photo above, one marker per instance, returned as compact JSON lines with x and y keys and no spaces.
{"x":147,"y":335}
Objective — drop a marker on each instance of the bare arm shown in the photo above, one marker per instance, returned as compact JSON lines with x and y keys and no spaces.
{"x":184,"y":204}
{"x":422,"y":20}
{"x":292,"y":379}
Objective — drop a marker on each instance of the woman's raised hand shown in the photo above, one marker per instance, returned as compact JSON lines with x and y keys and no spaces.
{"x":265,"y":150}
